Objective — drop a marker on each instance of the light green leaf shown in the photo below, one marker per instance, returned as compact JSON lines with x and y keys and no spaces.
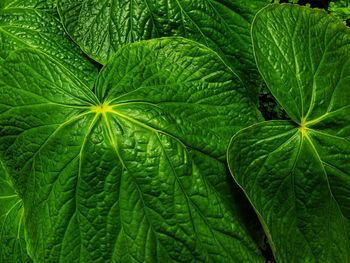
{"x":340,"y":9}
{"x":297,"y":174}
{"x":132,"y":174}
{"x":13,"y":246}
{"x":102,"y":27}
{"x":29,"y":27}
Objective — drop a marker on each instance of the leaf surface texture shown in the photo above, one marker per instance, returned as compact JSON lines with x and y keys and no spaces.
{"x":100,"y":28}
{"x":23,"y":25}
{"x":13,"y":245}
{"x":296,"y":173}
{"x":133,"y":173}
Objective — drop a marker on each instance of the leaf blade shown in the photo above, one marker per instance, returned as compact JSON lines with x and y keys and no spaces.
{"x":297,"y":184}
{"x":27,"y":27}
{"x":307,"y":67}
{"x":11,"y":222}
{"x":290,"y":189}
{"x":104,"y":27}
{"x":113,"y":187}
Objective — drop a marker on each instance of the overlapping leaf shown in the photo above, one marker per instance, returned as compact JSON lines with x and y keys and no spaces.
{"x":102,"y":27}
{"x":131,"y":174}
{"x":48,"y":6}
{"x":13,"y":246}
{"x":22,"y":26}
{"x":297,"y":174}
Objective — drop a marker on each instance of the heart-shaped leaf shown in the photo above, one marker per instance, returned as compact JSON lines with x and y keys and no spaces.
{"x":297,"y":174}
{"x":130,"y":174}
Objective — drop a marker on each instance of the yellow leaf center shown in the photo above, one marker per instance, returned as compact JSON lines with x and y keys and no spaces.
{"x":102,"y":108}
{"x":303,"y":126}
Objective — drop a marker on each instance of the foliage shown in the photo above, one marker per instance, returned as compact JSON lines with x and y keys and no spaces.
{"x":102,"y":27}
{"x":13,"y":245}
{"x":116,"y":164}
{"x":115,"y":124}
{"x":296,"y":173}
{"x":269,"y":107}
{"x":340,"y":8}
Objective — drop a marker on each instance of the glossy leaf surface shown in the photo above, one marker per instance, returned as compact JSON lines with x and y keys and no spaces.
{"x":130,"y":174}
{"x":28,"y":27}
{"x":102,"y":27}
{"x":297,"y":174}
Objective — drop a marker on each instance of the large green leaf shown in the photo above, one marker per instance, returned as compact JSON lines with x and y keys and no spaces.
{"x":131,"y":174}
{"x":297,"y":174}
{"x":23,"y":27}
{"x":13,"y":246}
{"x":102,"y":27}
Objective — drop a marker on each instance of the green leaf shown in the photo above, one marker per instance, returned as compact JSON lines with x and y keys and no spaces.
{"x":28,"y":27}
{"x":340,"y":9}
{"x":131,"y":174}
{"x":296,"y":174}
{"x":48,"y":6}
{"x":13,"y":246}
{"x":102,"y":27}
